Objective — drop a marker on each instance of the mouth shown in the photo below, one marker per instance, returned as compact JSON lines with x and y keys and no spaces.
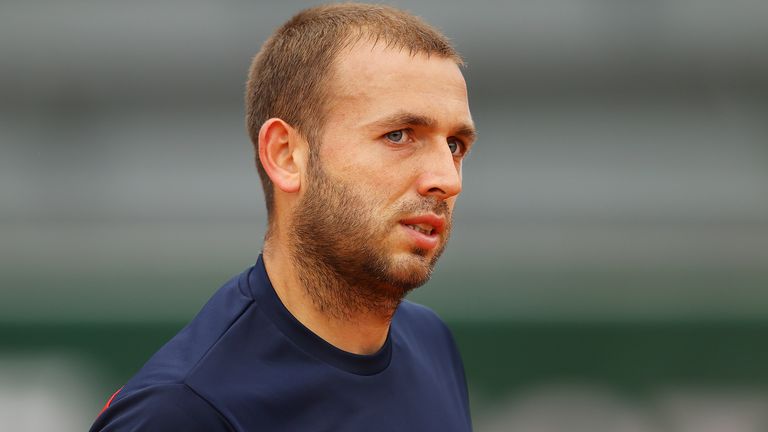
{"x":427,"y":224}
{"x":424,"y":230}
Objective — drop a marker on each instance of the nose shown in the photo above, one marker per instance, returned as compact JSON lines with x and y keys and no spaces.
{"x":440,"y":174}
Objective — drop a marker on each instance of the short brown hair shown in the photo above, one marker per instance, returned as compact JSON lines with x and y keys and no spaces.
{"x":287,"y":77}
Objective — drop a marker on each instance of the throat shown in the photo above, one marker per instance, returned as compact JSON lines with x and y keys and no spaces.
{"x":345,"y":301}
{"x":312,"y":296}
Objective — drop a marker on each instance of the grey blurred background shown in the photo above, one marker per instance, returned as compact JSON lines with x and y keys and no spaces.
{"x":609,"y":267}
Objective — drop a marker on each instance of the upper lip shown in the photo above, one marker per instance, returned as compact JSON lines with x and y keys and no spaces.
{"x":436,"y":222}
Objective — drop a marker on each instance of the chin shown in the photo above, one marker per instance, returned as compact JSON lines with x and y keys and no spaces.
{"x":411,"y":271}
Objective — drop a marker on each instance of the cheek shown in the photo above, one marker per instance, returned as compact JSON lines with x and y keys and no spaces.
{"x":451,"y":203}
{"x":380,"y":173}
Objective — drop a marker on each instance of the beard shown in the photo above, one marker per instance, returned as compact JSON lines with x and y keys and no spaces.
{"x":341,"y":252}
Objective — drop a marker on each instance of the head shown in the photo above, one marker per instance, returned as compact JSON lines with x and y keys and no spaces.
{"x":288,"y":77}
{"x":360,"y":120}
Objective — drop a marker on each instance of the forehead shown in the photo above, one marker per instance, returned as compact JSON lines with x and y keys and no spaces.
{"x":372,"y":80}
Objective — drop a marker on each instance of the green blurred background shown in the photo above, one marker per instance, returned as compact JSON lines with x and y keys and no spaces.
{"x":609,"y":267}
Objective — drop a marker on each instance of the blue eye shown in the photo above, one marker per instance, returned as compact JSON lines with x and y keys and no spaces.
{"x":395,"y":136}
{"x":456,"y":146}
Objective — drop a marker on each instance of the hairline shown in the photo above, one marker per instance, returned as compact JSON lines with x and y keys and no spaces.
{"x":358,"y":36}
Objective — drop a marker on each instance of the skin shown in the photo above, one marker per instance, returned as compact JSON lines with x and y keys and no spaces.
{"x":397,"y":131}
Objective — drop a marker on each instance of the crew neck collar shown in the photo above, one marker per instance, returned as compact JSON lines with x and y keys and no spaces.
{"x":270,"y":304}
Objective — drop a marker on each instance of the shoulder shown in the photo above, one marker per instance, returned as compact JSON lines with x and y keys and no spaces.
{"x":158,"y":397}
{"x":160,"y":408}
{"x":423,"y":334}
{"x":411,"y":310}
{"x":416,"y":322}
{"x":413,"y":314}
{"x":175,"y":360}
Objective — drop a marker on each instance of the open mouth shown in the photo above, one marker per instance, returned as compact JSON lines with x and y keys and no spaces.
{"x":422,"y":228}
{"x":430,"y":225}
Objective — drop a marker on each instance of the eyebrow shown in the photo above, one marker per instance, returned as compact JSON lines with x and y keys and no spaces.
{"x":467,"y":132}
{"x":399,"y":119}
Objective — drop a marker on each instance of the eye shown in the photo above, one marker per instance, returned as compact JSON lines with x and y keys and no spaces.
{"x":397,"y":137}
{"x":456,"y":146}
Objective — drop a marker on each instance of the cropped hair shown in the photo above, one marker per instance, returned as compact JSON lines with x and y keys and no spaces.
{"x":289,"y":76}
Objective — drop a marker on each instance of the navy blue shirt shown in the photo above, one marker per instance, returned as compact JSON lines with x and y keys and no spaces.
{"x":245,"y":363}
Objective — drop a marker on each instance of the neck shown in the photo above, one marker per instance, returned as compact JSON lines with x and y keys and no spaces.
{"x":340,"y":313}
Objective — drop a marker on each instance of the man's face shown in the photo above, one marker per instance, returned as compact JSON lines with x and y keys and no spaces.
{"x":381,"y":188}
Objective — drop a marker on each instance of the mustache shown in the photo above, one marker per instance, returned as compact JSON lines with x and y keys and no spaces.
{"x":427,"y":205}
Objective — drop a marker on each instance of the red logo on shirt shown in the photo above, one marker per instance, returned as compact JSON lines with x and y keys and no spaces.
{"x":110,"y":400}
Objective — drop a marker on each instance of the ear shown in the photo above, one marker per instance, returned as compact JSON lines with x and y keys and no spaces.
{"x":280,"y":153}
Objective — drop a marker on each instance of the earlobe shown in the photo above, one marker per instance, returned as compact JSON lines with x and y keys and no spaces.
{"x":278,"y":154}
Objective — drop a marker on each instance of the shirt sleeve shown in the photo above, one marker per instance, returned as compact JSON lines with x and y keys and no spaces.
{"x":171,"y":407}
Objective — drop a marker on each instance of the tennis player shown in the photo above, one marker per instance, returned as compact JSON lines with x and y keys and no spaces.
{"x":359,"y":119}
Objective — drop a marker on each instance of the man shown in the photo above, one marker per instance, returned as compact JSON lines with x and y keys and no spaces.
{"x":360,"y":122}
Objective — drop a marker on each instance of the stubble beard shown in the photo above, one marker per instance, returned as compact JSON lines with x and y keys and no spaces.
{"x":338,"y":249}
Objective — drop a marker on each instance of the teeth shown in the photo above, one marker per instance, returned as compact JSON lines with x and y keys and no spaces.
{"x":424,"y":229}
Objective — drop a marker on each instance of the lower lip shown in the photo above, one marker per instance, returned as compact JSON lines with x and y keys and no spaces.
{"x":421,"y":240}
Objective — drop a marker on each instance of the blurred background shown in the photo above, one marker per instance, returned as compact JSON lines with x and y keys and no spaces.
{"x":609,"y":267}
